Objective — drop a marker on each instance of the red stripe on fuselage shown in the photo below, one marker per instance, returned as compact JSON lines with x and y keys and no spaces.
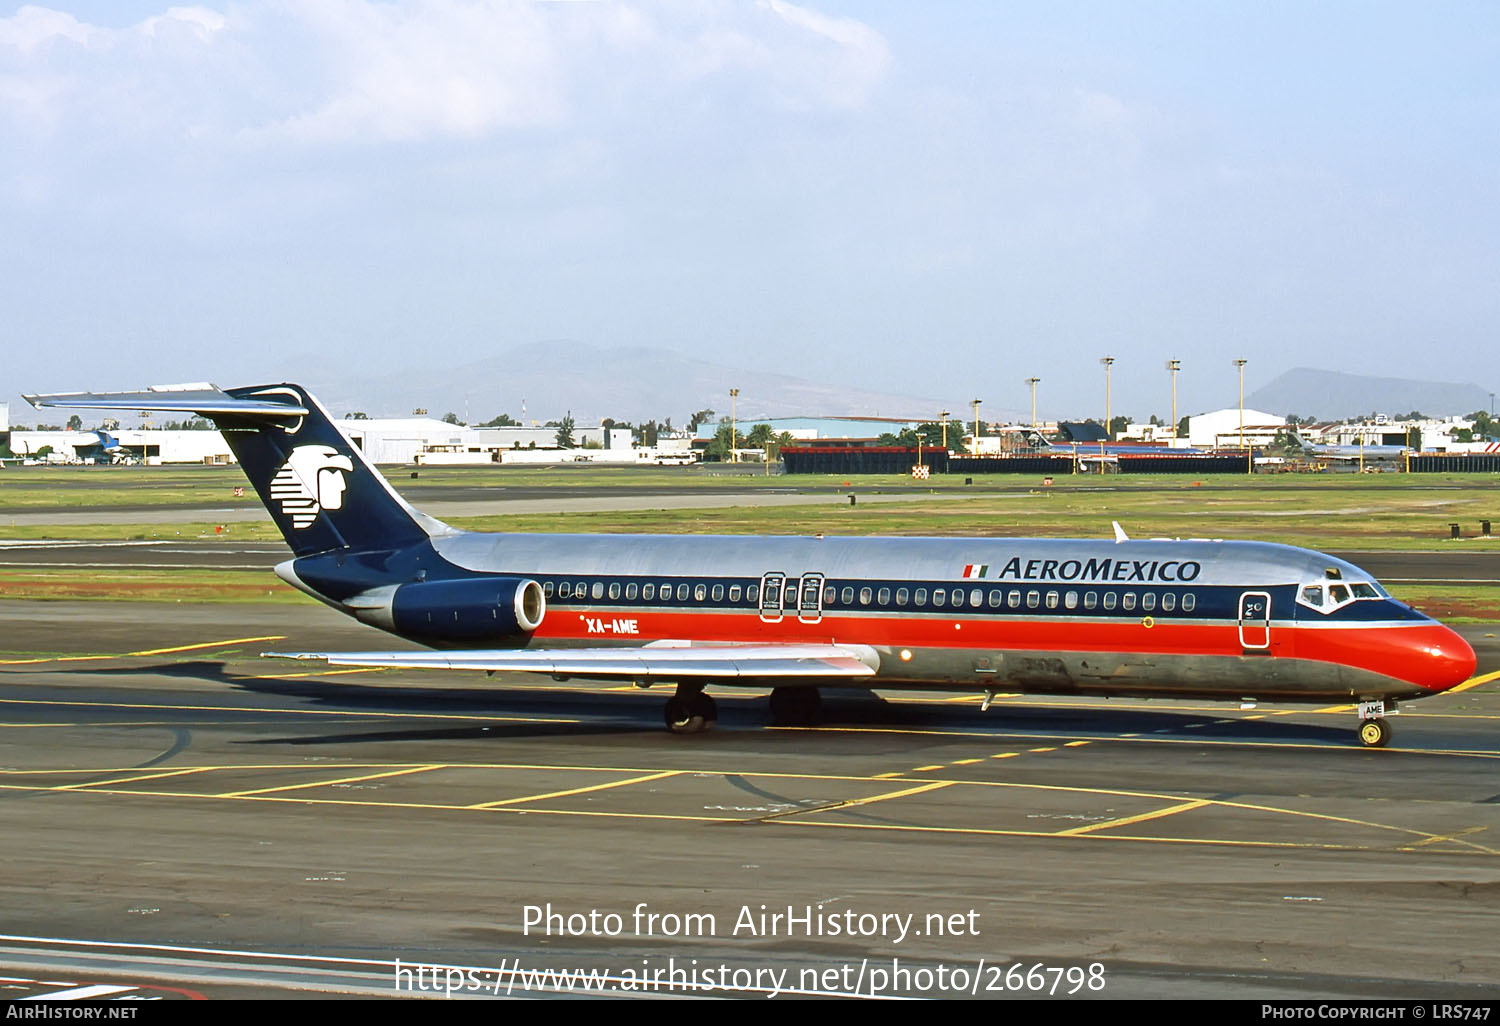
{"x":1423,"y":653}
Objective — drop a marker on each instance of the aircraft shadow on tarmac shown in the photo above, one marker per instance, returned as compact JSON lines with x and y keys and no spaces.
{"x":593,"y":712}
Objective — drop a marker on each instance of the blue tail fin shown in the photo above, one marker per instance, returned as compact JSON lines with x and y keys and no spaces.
{"x":319,"y":489}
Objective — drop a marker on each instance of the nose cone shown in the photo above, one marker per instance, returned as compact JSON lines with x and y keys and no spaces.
{"x":1446,"y":660}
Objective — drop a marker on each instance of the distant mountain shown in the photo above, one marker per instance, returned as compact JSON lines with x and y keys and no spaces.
{"x":1333,"y":395}
{"x":632,"y":384}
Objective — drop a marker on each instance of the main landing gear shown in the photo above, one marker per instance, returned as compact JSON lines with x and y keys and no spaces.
{"x":796,"y":707}
{"x":1374,"y":728}
{"x":690,"y":711}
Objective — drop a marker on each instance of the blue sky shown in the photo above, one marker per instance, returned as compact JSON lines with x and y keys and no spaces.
{"x":938,"y":199}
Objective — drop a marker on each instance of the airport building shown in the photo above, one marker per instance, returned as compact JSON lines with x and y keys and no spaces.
{"x":428,"y":442}
{"x":1221,"y":429}
{"x":124,"y":445}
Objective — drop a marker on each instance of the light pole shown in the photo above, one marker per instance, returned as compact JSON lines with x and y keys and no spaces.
{"x":734,"y":425}
{"x":945,"y":415}
{"x":975,"y":403}
{"x":1033,"y":382}
{"x":1108,"y":362}
{"x":1174,"y":366}
{"x":1241,"y":365}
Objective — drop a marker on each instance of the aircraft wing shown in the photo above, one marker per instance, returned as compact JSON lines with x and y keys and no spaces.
{"x":662,"y":662}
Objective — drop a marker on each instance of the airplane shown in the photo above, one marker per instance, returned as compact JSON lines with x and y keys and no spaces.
{"x":1247,"y":622}
{"x":1043,"y":445}
{"x":1331,"y":451}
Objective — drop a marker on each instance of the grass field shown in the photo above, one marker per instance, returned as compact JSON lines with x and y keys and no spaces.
{"x":1338,"y":511}
{"x":1326,"y":512}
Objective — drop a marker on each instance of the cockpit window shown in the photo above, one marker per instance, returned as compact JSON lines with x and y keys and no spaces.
{"x":1327,"y":598}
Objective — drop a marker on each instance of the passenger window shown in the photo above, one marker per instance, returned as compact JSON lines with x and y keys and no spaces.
{"x":614,"y":590}
{"x":666,"y":591}
{"x":1188,"y":602}
{"x":1013,"y":600}
{"x":1090,"y":600}
{"x":939,"y":596}
{"x":1051,"y":600}
{"x":883,"y":597}
{"x":564,"y":589}
{"x":976,"y":598}
{"x":648,"y":592}
{"x":1148,"y":601}
{"x":683,"y":591}
{"x":1033,"y":599}
{"x":996,"y":598}
{"x":598,"y":592}
{"x":718,"y":593}
{"x":847,"y":597}
{"x":865,"y":595}
{"x":901,"y":596}
{"x":630,"y":592}
{"x":752,"y":594}
{"x":700,"y":592}
{"x":830,"y":594}
{"x":549,"y":589}
{"x":1168,"y":602}
{"x":919,"y":597}
{"x":1128,"y":602}
{"x":1070,"y":600}
{"x":1110,"y":600}
{"x":734,"y":593}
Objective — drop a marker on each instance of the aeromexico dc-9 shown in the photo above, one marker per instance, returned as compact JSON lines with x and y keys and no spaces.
{"x":1237,"y":621}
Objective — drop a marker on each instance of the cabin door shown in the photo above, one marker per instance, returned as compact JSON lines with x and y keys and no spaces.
{"x":771,"y":586}
{"x":1255,"y":621}
{"x":810,"y":608}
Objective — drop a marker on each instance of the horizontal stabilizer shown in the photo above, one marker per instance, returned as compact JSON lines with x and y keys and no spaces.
{"x":651,"y":661}
{"x":204,"y":400}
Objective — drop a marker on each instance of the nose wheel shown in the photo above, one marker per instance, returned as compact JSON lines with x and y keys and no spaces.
{"x":1375,"y":733}
{"x":1374,"y":728}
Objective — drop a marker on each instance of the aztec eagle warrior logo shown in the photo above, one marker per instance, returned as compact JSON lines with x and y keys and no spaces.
{"x":310,"y":481}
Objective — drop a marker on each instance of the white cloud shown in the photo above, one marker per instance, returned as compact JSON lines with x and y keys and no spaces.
{"x":31,"y":26}
{"x":326,"y":72}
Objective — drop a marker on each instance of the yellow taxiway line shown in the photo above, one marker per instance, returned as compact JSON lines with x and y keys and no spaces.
{"x":574,"y":790}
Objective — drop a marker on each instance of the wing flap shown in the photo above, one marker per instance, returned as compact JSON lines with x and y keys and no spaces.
{"x":647,"y":662}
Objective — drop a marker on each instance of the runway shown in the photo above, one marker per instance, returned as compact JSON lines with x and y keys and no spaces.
{"x":231,"y":825}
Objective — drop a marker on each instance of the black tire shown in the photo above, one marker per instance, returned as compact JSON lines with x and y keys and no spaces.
{"x":705,"y":706}
{"x":683,"y":716}
{"x":796,"y":707}
{"x":1374,"y":733}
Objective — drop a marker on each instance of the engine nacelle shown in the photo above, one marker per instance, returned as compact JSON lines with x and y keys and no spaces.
{"x":491,"y":609}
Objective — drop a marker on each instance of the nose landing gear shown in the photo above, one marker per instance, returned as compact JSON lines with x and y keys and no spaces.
{"x":1374,"y":728}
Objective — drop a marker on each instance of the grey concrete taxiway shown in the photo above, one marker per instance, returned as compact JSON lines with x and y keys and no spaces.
{"x":180,"y":814}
